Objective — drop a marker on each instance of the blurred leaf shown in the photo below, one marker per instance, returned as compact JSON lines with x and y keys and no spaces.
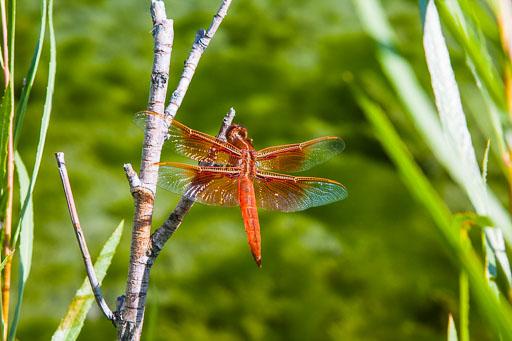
{"x":45,"y":120}
{"x":498,"y":315}
{"x":71,"y":324}
{"x":467,"y":219}
{"x":473,"y":42}
{"x":31,"y":74}
{"x":464,"y":290}
{"x":5,"y":116}
{"x":450,"y":109}
{"x":424,"y":115}
{"x":452,"y":332}
{"x":405,"y":83}
{"x":26,"y":241}
{"x":454,"y":124}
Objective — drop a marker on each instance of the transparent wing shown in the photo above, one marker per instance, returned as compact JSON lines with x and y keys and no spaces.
{"x":285,"y":193}
{"x":192,"y":143}
{"x":299,"y":156}
{"x":217,"y":186}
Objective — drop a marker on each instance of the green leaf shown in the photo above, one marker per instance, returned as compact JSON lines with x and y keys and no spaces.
{"x":452,"y":332}
{"x":456,"y":131}
{"x":449,"y":106}
{"x":45,"y":120}
{"x":420,"y":109}
{"x":464,"y":290}
{"x":5,"y":117}
{"x":31,"y":75}
{"x":498,"y":315}
{"x":26,"y":241}
{"x":467,"y":219}
{"x":71,"y":324}
{"x":474,"y":44}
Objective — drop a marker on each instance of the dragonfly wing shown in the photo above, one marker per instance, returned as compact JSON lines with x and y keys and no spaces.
{"x":285,"y":193}
{"x":217,"y":186}
{"x":299,"y":156}
{"x":192,"y":143}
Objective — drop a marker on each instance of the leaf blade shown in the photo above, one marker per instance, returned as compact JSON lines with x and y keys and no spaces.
{"x":72,"y":322}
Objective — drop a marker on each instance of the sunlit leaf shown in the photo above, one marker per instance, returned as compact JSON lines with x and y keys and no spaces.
{"x":452,"y":332}
{"x":26,"y":240}
{"x":71,"y":324}
{"x":456,"y":131}
{"x":498,"y":315}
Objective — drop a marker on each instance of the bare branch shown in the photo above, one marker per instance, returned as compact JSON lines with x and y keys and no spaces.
{"x":171,"y":224}
{"x":131,"y":310}
{"x":133,"y":178}
{"x":201,"y":42}
{"x":102,"y":304}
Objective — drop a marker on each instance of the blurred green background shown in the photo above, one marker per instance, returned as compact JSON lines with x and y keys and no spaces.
{"x":368,"y":268}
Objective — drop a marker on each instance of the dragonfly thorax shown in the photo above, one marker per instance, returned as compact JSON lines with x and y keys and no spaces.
{"x":247,"y":162}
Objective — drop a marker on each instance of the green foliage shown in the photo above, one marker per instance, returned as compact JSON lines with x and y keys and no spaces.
{"x":71,"y":324}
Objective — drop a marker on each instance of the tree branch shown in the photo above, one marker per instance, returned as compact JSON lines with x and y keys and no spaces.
{"x":131,"y":311}
{"x":102,"y":304}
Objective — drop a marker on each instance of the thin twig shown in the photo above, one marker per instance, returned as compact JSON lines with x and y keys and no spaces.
{"x":200,"y":44}
{"x":102,"y":304}
{"x":171,"y":224}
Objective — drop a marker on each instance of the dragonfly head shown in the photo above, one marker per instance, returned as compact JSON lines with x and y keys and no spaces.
{"x":237,"y":135}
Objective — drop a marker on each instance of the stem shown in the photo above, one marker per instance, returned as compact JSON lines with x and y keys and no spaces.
{"x":89,"y":267}
{"x":6,"y":287}
{"x":464,"y":291}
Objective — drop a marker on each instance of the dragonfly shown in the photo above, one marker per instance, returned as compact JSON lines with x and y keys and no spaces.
{"x":245,"y":177}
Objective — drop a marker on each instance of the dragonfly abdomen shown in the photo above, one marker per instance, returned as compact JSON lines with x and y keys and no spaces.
{"x":247,"y":200}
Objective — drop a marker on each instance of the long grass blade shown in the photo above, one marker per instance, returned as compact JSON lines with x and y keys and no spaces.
{"x":71,"y":324}
{"x":464,"y":292}
{"x":5,"y":117}
{"x":498,"y":315}
{"x":31,"y":75}
{"x":474,"y":45}
{"x":417,"y":103}
{"x":456,"y":131}
{"x":45,"y":120}
{"x":26,"y":242}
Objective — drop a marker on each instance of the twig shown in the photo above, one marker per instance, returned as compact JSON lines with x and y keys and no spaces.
{"x":201,"y":42}
{"x":102,"y":304}
{"x":171,"y":224}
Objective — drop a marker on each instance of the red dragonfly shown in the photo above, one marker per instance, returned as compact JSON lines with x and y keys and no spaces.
{"x":245,"y":177}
